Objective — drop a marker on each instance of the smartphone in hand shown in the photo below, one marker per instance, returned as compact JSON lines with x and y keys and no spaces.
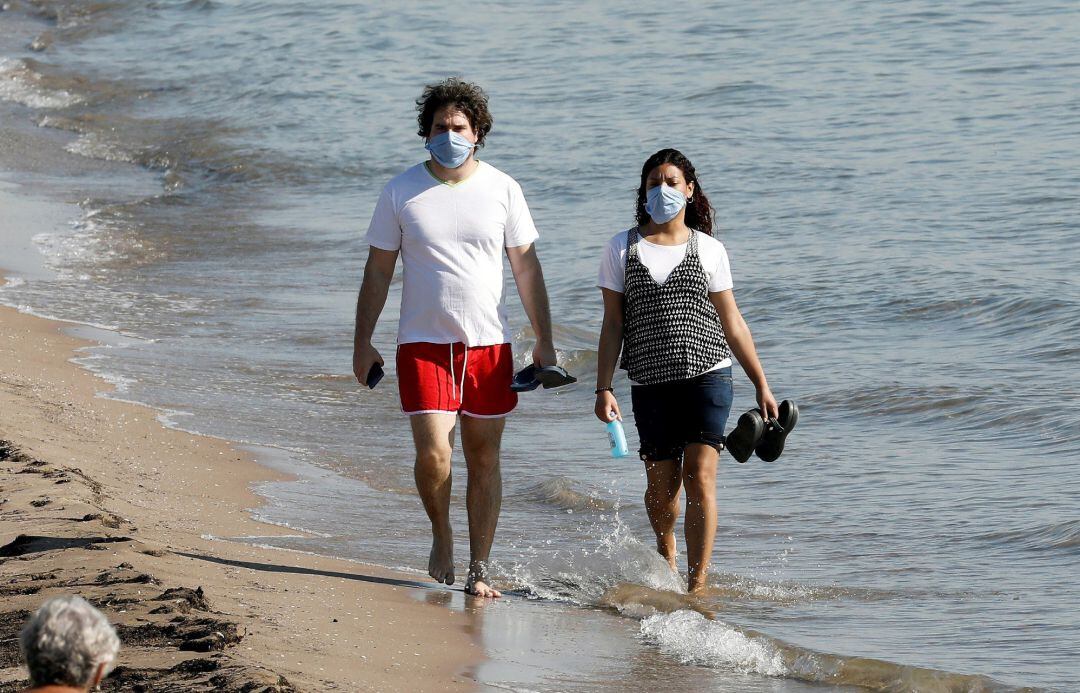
{"x":374,"y":375}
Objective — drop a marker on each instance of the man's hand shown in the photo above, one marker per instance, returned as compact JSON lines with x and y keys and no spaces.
{"x":378,"y":273}
{"x":364,"y":357}
{"x":544,"y":354}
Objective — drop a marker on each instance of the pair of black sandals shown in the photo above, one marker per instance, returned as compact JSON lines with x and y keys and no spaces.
{"x":754,"y":434}
{"x":530,"y":377}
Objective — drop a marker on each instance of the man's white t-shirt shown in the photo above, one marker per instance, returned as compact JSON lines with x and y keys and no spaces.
{"x":452,"y":239}
{"x":660,"y":260}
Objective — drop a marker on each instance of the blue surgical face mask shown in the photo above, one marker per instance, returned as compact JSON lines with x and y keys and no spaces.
{"x":663,"y":203}
{"x":450,"y":149}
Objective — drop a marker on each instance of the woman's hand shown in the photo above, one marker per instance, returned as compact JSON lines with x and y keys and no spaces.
{"x":767,"y":403}
{"x":606,"y":405}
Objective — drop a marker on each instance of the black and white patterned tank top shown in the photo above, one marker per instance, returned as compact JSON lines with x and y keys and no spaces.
{"x":670,"y":331}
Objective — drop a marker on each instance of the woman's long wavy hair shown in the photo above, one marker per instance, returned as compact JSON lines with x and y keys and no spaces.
{"x":699,"y":213}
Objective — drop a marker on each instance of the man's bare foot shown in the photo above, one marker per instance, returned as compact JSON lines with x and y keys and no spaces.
{"x":477,"y":582}
{"x":478,"y":588}
{"x":441,"y":560}
{"x":696,"y":584}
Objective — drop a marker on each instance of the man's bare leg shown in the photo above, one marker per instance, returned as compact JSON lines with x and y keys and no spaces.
{"x":480,"y":440}
{"x":662,"y":504}
{"x":699,"y":478}
{"x":433,"y":436}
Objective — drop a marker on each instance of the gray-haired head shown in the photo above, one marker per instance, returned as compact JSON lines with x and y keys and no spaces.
{"x":65,"y":642}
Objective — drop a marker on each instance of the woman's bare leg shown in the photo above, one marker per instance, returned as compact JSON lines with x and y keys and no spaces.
{"x":699,"y":477}
{"x":662,"y":504}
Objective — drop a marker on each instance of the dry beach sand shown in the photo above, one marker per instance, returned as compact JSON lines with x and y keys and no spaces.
{"x":98,"y":498}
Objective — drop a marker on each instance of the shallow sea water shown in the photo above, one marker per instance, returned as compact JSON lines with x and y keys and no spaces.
{"x":895,"y":182}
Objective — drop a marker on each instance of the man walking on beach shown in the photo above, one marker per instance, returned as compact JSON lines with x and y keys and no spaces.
{"x":451,"y":218}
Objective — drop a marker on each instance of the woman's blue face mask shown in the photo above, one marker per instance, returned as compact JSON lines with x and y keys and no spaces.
{"x":663,"y":203}
{"x":450,"y":149}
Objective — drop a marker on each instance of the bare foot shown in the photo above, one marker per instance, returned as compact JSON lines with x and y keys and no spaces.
{"x":478,"y":588}
{"x":696,"y":584}
{"x":441,"y":560}
{"x":477,"y":582}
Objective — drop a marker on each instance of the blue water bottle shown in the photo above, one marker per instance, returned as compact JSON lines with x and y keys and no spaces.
{"x":616,"y":438}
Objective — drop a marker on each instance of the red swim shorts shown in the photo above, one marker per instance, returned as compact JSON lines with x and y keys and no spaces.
{"x":474,"y":381}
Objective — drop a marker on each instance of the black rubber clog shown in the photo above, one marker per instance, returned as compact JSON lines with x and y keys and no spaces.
{"x":771,"y":445}
{"x":745,"y":436}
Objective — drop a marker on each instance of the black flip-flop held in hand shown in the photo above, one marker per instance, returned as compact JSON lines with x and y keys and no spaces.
{"x":554,"y":376}
{"x":771,"y":445}
{"x":530,"y":377}
{"x":525,"y":379}
{"x":745,"y":436}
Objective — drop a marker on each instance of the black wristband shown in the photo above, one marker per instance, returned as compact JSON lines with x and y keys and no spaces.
{"x":603,"y":389}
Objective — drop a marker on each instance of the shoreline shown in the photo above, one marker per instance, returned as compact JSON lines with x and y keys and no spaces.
{"x":99,"y":498}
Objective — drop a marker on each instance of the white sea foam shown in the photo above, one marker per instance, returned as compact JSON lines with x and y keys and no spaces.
{"x":17,"y":84}
{"x":507,"y":687}
{"x":166,"y":417}
{"x":214,"y":537}
{"x":87,"y":244}
{"x":100,"y":243}
{"x":784,"y":592}
{"x":693,"y":639}
{"x":120,"y":382}
{"x":308,"y":533}
{"x":582,"y":576}
{"x":30,"y":310}
{"x":61,"y":251}
{"x":94,"y":146}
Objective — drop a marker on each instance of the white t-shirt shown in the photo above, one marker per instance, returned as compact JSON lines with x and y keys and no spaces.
{"x":452,"y":239}
{"x":660,"y":260}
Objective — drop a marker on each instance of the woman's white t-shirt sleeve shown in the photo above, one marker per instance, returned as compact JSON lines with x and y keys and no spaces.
{"x":520,"y":229}
{"x":384,"y":232}
{"x":714,"y":260}
{"x":613,"y":265}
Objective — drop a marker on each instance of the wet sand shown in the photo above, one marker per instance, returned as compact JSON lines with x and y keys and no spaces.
{"x":99,"y":499}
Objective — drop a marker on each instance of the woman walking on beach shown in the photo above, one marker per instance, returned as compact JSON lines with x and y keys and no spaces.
{"x":669,"y":308}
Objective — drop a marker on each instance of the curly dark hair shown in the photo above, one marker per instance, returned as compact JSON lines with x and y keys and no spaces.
{"x":467,"y":97}
{"x":699,"y":213}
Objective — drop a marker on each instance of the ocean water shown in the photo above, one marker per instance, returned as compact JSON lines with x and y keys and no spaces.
{"x":896,"y":183}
